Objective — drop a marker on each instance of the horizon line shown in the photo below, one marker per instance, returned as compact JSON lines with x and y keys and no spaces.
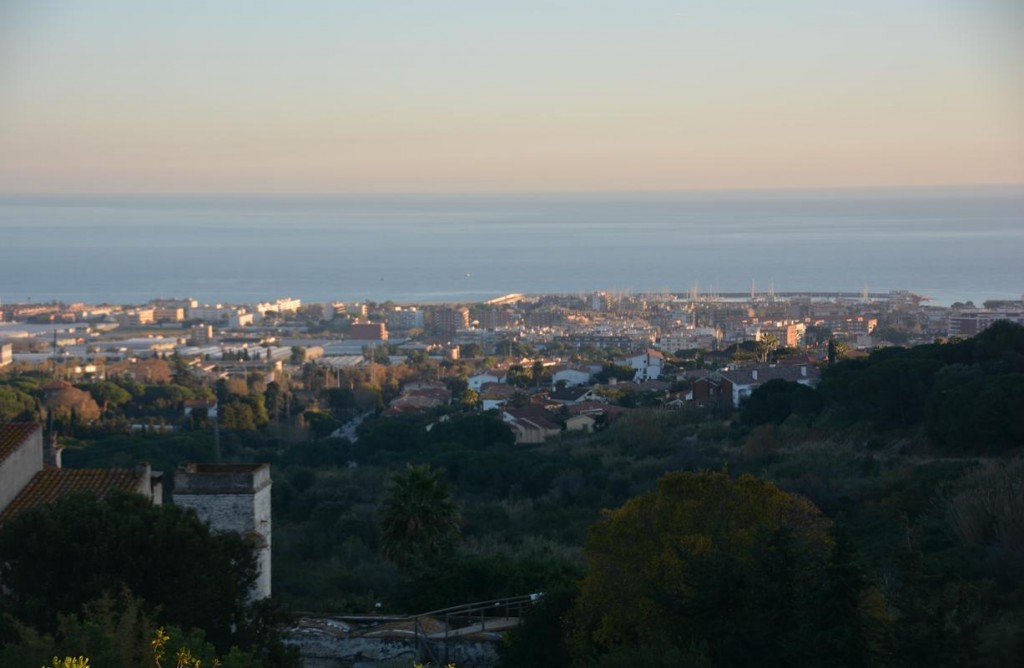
{"x":491,"y":193}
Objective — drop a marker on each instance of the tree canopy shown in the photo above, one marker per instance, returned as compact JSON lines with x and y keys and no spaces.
{"x":420,"y":521}
{"x":16,"y":405}
{"x":731,"y":572}
{"x":69,"y":403}
{"x":968,"y":395}
{"x":57,"y":558}
{"x":776,"y":400}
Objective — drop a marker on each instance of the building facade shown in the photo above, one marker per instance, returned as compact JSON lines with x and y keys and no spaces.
{"x":232,"y":497}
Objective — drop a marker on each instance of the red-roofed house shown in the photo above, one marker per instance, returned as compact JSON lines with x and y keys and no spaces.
{"x":530,"y":425}
{"x":495,"y":395}
{"x":21,"y":457}
{"x":730,"y":388}
{"x":25,"y":482}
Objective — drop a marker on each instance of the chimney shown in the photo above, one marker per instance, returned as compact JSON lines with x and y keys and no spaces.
{"x":51,"y":453}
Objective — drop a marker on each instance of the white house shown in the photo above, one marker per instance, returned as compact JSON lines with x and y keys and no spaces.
{"x":647,"y":364}
{"x":571,"y":376}
{"x":738,"y":384}
{"x":582,"y":422}
{"x":476,"y":381}
{"x":495,"y":395}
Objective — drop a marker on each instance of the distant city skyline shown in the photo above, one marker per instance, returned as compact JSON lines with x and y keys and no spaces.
{"x":481,"y":96}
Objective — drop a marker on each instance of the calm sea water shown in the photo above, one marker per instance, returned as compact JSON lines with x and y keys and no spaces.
{"x":949,"y":244}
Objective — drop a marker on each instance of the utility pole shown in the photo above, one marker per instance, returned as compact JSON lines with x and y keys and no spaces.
{"x":216,"y":435}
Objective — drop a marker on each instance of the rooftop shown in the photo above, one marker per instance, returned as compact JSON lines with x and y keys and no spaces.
{"x":49,"y":485}
{"x":12,"y":435}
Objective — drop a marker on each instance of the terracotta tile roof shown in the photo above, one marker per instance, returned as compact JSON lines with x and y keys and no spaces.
{"x":497,"y":391}
{"x":596,"y":407}
{"x":534,"y":424}
{"x":51,"y":484}
{"x":12,"y":435}
{"x":764,"y":374}
{"x":535,"y":411}
{"x":570,"y":393}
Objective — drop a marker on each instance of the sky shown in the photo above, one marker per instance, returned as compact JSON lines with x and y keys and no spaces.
{"x":369,"y":96}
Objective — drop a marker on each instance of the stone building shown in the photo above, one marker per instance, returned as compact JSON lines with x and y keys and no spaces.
{"x":231,"y":497}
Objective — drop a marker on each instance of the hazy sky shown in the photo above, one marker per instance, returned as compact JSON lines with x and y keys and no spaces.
{"x":480,"y":95}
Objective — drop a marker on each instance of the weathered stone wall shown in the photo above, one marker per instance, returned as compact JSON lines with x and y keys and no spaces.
{"x":221,"y":478}
{"x":325,"y":650}
{"x":237,"y":499}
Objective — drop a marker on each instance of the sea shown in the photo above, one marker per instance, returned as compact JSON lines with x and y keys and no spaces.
{"x":948,"y":244}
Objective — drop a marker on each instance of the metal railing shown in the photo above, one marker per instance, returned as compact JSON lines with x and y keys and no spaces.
{"x":468,"y":618}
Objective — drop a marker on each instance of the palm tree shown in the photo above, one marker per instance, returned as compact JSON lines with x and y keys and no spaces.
{"x":419,"y":519}
{"x":537,"y":371}
{"x":766,"y":344}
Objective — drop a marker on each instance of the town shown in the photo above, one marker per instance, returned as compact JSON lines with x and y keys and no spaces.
{"x":511,"y":340}
{"x":521,"y":418}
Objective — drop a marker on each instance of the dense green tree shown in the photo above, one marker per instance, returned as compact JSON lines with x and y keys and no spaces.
{"x":55,"y":559}
{"x":257,"y":404}
{"x":472,"y":431}
{"x":470,"y":399}
{"x":392,"y":434}
{"x":245,"y":413}
{"x":730,"y":566}
{"x":274,"y":398}
{"x":16,"y":405}
{"x":537,"y":372}
{"x":619,"y":372}
{"x":122,"y":632}
{"x":539,"y":640}
{"x":890,"y":389}
{"x":968,"y":394}
{"x":419,"y":519}
{"x":166,"y":396}
{"x":972,"y":410}
{"x":182,"y":373}
{"x":222,"y":391}
{"x":816,"y":335}
{"x":518,"y":375}
{"x":341,"y":398}
{"x":471,"y":350}
{"x":236,"y":416}
{"x":321,"y":424}
{"x":109,"y":394}
{"x":776,"y":400}
{"x":836,"y":350}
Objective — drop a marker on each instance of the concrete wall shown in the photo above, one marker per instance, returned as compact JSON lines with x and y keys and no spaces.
{"x":324,"y":650}
{"x":17,"y":469}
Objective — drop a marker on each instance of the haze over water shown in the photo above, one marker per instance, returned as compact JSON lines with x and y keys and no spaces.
{"x":952,"y":244}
